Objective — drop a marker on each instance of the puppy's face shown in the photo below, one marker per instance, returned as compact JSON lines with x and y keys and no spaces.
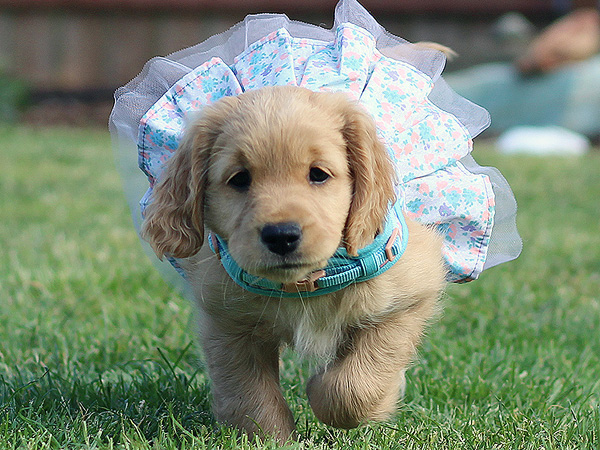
{"x":284,"y":175}
{"x":279,"y":187}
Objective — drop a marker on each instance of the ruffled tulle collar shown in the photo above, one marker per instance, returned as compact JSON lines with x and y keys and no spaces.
{"x":427,"y":129}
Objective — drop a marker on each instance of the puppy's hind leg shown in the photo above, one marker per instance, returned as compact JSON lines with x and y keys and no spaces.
{"x":366,"y":379}
{"x":244,"y":374}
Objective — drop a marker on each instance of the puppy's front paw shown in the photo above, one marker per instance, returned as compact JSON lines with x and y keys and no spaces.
{"x":260,"y":416}
{"x":331,"y":402}
{"x":343,"y":401}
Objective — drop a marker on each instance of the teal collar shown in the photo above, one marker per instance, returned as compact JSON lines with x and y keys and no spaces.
{"x":341,"y":270}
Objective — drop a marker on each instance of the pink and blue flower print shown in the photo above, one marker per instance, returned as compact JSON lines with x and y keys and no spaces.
{"x":425,"y":142}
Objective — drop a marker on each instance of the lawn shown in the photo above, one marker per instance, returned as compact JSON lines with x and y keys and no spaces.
{"x":96,"y":350}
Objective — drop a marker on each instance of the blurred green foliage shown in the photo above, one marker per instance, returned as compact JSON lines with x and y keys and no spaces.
{"x":15,"y":96}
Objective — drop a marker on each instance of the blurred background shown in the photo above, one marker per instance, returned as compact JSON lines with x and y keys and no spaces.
{"x":61,"y":60}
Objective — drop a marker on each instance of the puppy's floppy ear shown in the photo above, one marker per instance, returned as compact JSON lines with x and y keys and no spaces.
{"x":373,"y":174}
{"x":173,"y":222}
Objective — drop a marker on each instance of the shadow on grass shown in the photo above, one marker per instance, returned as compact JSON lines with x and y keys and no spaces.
{"x":150,"y":398}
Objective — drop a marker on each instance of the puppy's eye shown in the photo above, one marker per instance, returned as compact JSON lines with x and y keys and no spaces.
{"x":318,"y":176}
{"x":240,"y":180}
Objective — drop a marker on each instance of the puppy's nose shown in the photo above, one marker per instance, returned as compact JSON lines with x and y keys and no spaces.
{"x":281,"y":238}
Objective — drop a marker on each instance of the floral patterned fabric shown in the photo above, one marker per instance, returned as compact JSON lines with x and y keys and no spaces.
{"x":425,"y":142}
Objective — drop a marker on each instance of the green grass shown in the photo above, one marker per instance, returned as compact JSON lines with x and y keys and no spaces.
{"x":96,"y":350}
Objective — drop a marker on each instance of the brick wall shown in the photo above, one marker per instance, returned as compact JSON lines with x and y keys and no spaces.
{"x":83,"y":45}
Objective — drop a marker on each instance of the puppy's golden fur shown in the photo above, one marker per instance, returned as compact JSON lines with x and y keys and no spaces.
{"x":289,"y":155}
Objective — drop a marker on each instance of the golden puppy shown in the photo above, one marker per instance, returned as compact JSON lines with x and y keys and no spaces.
{"x":286,"y":176}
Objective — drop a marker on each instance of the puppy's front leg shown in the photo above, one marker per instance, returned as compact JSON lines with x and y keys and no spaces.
{"x":366,"y":378}
{"x":245,"y":382}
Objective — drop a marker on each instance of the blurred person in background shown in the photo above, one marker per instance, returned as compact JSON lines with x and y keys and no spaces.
{"x":574,"y":37}
{"x":553,"y":83}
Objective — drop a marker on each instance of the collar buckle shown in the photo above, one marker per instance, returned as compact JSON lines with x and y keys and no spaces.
{"x":309,"y":284}
{"x":389,"y":247}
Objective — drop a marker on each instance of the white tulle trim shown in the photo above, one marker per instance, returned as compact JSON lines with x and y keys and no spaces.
{"x":426,"y":127}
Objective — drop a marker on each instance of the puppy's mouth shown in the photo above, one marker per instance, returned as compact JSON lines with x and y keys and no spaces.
{"x":290,"y":266}
{"x":288,"y":272}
